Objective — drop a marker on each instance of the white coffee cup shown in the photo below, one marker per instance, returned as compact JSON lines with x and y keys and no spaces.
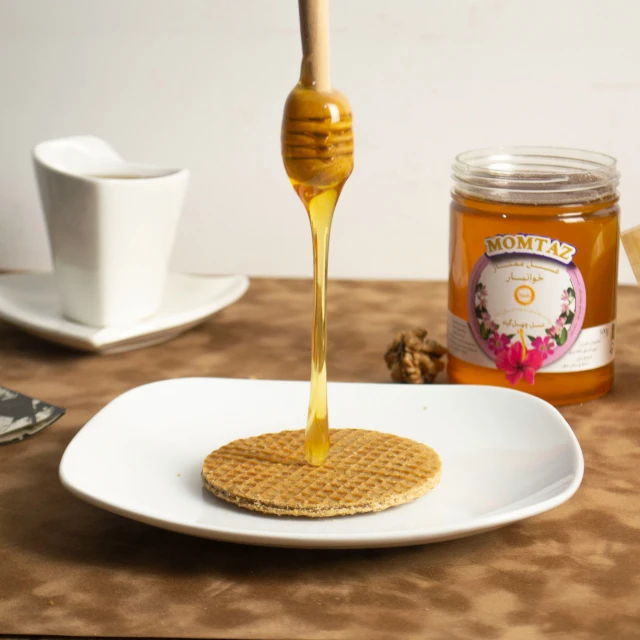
{"x":111,"y":228}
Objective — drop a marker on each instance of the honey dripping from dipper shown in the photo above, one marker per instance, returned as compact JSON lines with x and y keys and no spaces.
{"x":317,"y":150}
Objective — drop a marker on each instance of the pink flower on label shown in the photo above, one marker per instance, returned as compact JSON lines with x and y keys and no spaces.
{"x":565,"y":297}
{"x":560,"y":322}
{"x":518,"y":362}
{"x":565,"y":307}
{"x":545,"y":346}
{"x":482,"y":291}
{"x":492,"y":327}
{"x":486,"y":316}
{"x":498,"y":343}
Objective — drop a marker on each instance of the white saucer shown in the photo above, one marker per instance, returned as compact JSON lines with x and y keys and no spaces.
{"x":506,"y":456}
{"x":30,"y":301}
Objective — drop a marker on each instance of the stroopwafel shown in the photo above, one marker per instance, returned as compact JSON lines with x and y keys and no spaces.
{"x":366,"y":471}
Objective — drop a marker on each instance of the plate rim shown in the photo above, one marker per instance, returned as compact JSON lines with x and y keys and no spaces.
{"x":411,"y":537}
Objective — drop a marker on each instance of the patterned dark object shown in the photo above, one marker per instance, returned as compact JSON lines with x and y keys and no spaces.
{"x":21,"y":416}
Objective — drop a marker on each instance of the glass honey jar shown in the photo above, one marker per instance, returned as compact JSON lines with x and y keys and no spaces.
{"x":533,"y":271}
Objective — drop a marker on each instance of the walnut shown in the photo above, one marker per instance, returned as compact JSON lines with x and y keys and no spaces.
{"x":412,"y":358}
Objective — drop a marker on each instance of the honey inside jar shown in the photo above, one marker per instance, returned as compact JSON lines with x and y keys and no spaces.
{"x":533,"y":272}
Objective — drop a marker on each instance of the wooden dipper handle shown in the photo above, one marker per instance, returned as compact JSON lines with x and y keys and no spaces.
{"x":314,"y":31}
{"x":631,"y":243}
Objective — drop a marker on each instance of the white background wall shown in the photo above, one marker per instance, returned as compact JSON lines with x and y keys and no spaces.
{"x":201,"y":84}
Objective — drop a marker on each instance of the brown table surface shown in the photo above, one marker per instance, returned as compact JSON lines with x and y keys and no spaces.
{"x":67,"y":568}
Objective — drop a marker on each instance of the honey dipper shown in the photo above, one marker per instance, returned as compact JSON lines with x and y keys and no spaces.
{"x":317,"y":150}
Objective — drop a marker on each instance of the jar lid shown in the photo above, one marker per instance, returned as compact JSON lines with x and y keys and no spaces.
{"x":536,"y":175}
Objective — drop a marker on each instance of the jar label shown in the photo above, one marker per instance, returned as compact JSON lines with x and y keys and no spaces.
{"x":526,"y":304}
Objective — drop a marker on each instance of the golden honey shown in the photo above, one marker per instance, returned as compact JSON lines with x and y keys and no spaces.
{"x":533,"y":272}
{"x":317,"y":151}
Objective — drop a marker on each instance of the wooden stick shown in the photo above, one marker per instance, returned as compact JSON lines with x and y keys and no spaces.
{"x":631,"y":244}
{"x":314,"y":31}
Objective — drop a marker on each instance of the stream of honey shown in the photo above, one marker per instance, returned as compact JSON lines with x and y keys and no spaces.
{"x":317,"y":150}
{"x":592,"y":228}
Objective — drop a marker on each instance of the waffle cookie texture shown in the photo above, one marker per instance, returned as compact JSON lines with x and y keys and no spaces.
{"x":366,"y":471}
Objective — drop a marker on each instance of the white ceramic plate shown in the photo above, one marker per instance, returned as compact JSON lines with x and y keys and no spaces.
{"x":506,"y":456}
{"x":31,"y":302}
